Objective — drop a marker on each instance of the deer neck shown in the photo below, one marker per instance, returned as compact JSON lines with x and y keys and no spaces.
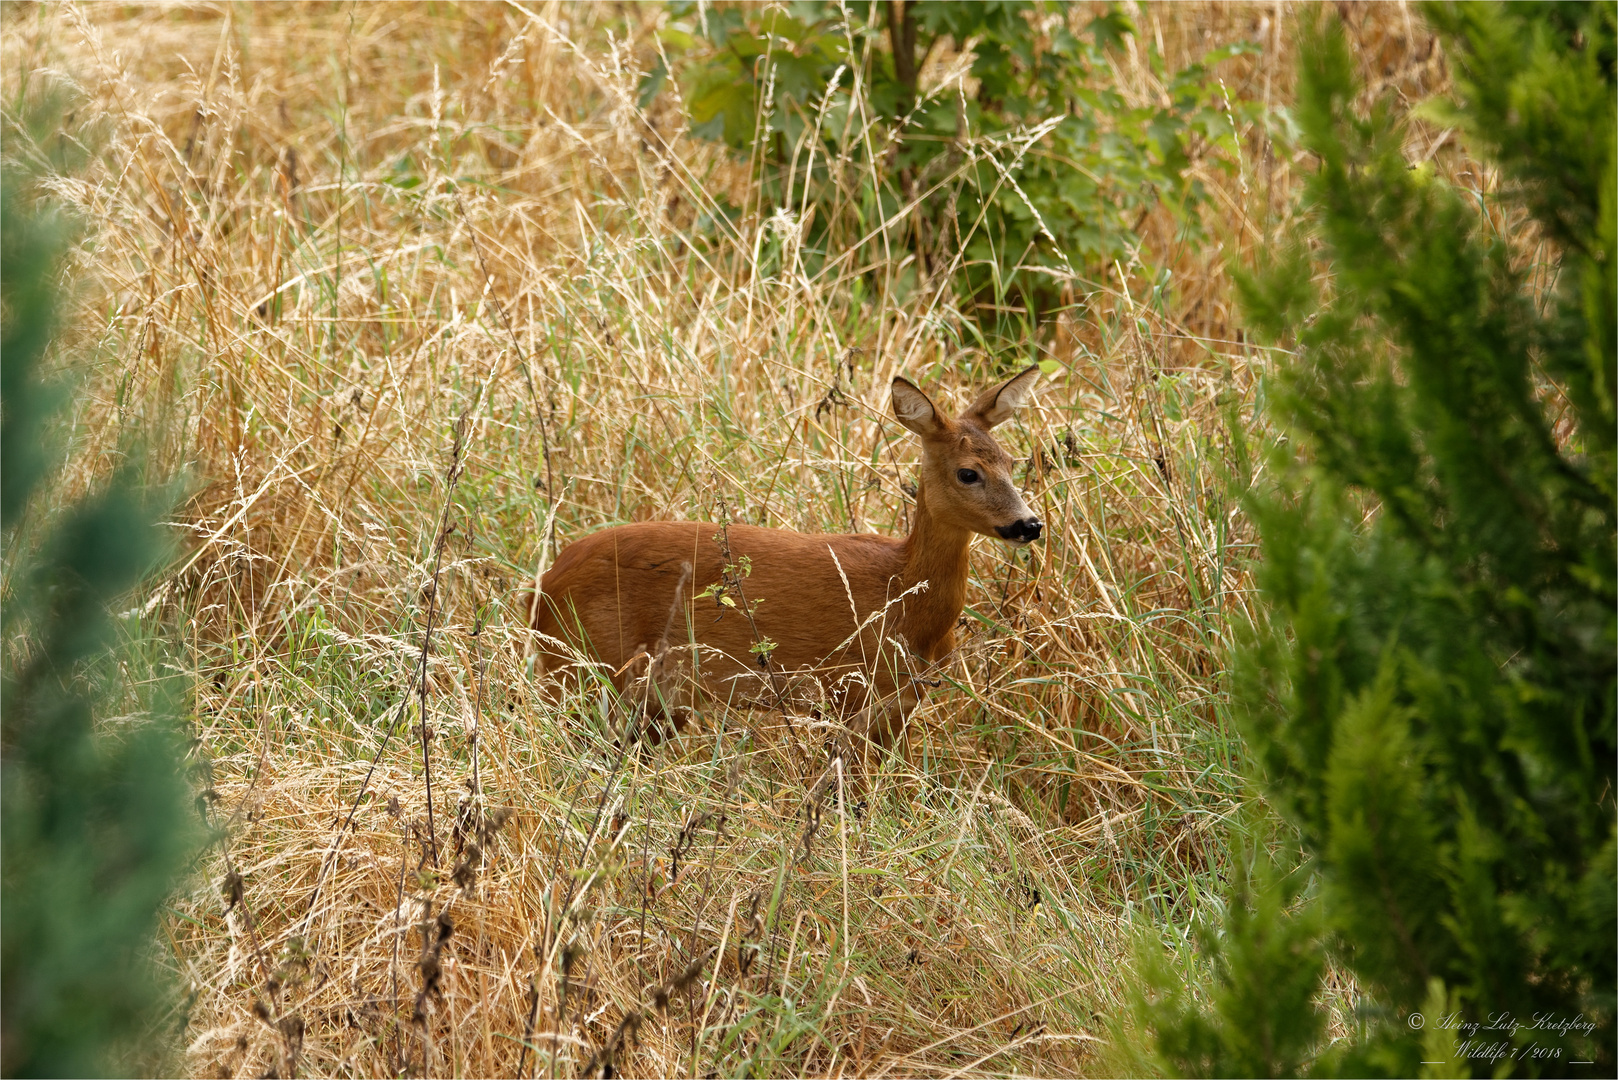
{"x":935,"y":552}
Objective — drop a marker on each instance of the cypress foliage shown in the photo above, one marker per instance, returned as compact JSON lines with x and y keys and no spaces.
{"x":1429,"y":699}
{"x":96,"y":824}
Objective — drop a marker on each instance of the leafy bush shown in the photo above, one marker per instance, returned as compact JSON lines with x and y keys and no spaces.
{"x":96,"y":822}
{"x":1041,"y":172}
{"x":1431,"y":696}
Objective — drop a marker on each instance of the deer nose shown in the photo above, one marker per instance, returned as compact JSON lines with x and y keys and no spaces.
{"x":1022,"y":532}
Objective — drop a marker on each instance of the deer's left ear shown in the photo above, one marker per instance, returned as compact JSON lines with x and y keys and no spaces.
{"x":996,"y":404}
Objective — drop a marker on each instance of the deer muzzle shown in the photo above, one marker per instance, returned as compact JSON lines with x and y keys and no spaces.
{"x":1022,"y":531}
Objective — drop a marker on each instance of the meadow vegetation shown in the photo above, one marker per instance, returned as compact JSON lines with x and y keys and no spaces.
{"x":411,"y":295}
{"x":1429,"y":694}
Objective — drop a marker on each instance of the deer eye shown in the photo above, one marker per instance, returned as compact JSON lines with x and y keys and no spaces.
{"x":967,"y":476}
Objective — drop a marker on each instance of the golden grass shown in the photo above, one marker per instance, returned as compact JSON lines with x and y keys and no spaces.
{"x":332,"y":250}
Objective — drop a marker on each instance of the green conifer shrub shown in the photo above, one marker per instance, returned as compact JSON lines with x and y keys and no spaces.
{"x":1429,"y":698}
{"x":95,"y":819}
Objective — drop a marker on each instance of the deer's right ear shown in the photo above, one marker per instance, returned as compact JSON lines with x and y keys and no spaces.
{"x":916,"y":411}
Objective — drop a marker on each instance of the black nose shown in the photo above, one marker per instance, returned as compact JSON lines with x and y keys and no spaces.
{"x":1022,"y":532}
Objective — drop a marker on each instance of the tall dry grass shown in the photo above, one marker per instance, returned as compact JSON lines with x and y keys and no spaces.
{"x":413,"y":294}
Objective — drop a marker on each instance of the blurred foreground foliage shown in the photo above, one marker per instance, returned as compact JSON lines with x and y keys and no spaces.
{"x":94,"y":810}
{"x":1011,"y":180}
{"x":1430,"y":698}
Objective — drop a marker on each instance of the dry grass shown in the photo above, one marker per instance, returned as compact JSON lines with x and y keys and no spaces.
{"x":414,"y":293}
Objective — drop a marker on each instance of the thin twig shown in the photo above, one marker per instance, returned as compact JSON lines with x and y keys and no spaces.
{"x":452,"y":477}
{"x":418,"y":675}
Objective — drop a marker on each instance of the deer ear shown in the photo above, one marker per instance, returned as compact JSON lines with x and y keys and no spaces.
{"x":916,"y":411}
{"x":996,"y":404}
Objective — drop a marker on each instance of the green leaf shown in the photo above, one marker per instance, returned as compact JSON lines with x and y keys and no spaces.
{"x":1109,"y":30}
{"x":652,"y":83}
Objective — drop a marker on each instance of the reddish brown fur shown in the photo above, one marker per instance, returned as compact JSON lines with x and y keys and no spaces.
{"x":635,"y":590}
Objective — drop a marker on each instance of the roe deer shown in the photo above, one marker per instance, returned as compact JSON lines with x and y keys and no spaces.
{"x":647,"y":599}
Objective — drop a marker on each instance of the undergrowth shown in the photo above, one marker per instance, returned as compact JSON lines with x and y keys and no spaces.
{"x":412,"y":295}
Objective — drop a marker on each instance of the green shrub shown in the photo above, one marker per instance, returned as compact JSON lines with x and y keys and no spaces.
{"x":95,"y":820}
{"x":1043,"y":172}
{"x":1430,"y":697}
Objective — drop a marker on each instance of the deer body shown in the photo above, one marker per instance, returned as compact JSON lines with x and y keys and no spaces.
{"x":823,"y":606}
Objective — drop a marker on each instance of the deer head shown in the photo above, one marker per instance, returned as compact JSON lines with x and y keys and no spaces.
{"x":965,"y":474}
